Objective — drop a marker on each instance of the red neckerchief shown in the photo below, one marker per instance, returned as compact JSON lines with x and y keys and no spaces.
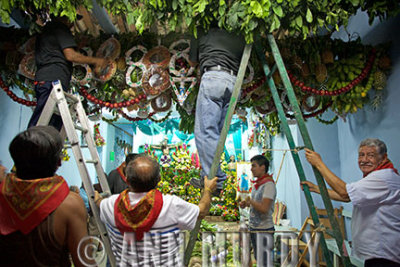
{"x":120,"y":171}
{"x":139,"y":218}
{"x":387,"y":164}
{"x":262,"y":180}
{"x":26,"y":203}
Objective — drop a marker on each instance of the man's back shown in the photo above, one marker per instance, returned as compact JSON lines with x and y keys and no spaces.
{"x":48,"y":244}
{"x":160,"y":246}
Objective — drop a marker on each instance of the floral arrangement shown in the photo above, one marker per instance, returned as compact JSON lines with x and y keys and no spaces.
{"x":176,"y":174}
{"x":65,"y":155}
{"x":98,"y":139}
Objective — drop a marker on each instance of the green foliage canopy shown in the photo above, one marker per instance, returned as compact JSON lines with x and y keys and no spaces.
{"x":249,"y":17}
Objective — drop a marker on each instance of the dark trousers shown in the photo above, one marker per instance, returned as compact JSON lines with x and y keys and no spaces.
{"x":379,"y":262}
{"x":42,"y":91}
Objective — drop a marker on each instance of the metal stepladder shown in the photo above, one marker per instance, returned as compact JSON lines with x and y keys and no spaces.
{"x":70,"y":108}
{"x":285,"y":125}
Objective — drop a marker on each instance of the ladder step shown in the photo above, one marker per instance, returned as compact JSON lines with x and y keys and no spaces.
{"x":92,"y":161}
{"x":84,"y":130}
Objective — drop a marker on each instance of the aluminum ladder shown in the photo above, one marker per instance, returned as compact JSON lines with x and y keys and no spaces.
{"x":74,"y":118}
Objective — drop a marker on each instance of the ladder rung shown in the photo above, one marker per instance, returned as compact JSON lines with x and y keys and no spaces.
{"x":92,"y":161}
{"x":84,"y":130}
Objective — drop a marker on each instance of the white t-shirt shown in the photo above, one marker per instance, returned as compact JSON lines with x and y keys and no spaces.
{"x":375,"y":223}
{"x":262,"y":220}
{"x":161,"y":245}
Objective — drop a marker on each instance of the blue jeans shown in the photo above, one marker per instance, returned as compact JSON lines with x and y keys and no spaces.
{"x":265,"y":238}
{"x":212,"y":105}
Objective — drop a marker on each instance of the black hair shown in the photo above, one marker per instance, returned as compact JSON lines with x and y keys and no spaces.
{"x":36,"y":152}
{"x":130,"y":157}
{"x":261,"y":160}
{"x":143,"y":173}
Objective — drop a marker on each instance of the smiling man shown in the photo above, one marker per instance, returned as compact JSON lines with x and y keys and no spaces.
{"x":375,"y":224}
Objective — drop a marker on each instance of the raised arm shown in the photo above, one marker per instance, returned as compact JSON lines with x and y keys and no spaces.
{"x":72,"y":55}
{"x":332,"y":194}
{"x":337,"y":184}
{"x":205,"y":201}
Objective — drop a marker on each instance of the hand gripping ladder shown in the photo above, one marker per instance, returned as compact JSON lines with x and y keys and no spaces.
{"x":70,"y":108}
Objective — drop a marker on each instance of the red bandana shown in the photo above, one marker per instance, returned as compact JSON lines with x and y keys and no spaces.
{"x":262,"y":180}
{"x":26,"y":203}
{"x":387,"y":164}
{"x":120,"y":170}
{"x":141,"y":217}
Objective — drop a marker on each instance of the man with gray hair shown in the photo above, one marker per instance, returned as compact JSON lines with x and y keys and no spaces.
{"x":375,"y":224}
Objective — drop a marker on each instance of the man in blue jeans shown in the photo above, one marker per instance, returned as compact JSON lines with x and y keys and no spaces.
{"x":219,"y":54}
{"x":54,"y":54}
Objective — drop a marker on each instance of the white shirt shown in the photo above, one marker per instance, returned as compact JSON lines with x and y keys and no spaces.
{"x":160,"y":246}
{"x":375,"y":223}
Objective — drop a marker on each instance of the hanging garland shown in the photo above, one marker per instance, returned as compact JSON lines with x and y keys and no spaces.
{"x":14,"y":97}
{"x":313,"y":114}
{"x":327,"y":122}
{"x":126,"y":116}
{"x":162,"y":119}
{"x":93,"y":99}
{"x":295,"y":81}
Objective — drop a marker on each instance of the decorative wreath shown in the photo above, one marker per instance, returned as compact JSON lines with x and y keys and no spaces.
{"x":179,"y":42}
{"x":161,"y":103}
{"x":106,"y":73}
{"x":88,"y":75}
{"x":128,"y":76}
{"x":310,"y":102}
{"x":111,"y":49}
{"x":267,"y":108}
{"x":128,"y":53}
{"x":285,"y":101}
{"x":155,"y":81}
{"x":181,"y":93}
{"x":158,"y":56}
{"x":27,"y":67}
{"x":250,"y":76}
{"x":182,"y":72}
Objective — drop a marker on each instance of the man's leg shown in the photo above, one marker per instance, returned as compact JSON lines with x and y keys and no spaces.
{"x":209,"y":109}
{"x":42,"y":92}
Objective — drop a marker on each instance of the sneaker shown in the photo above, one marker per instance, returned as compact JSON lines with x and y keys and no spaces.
{"x":198,"y":183}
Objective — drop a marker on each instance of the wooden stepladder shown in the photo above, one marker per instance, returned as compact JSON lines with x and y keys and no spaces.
{"x":74,"y":118}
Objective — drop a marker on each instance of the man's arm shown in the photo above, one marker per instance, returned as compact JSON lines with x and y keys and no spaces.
{"x":262,"y":206}
{"x":332,"y":194}
{"x":72,"y":221}
{"x":205,"y":201}
{"x":337,"y":184}
{"x":72,"y":55}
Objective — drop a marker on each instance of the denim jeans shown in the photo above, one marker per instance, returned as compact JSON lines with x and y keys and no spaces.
{"x":212,"y":105}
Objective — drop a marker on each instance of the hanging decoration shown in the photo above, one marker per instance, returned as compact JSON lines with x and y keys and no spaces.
{"x":325,"y":74}
{"x":98,"y":139}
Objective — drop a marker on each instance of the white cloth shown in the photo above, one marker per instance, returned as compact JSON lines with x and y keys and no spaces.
{"x":375,"y":223}
{"x":160,"y":246}
{"x":262,"y":220}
